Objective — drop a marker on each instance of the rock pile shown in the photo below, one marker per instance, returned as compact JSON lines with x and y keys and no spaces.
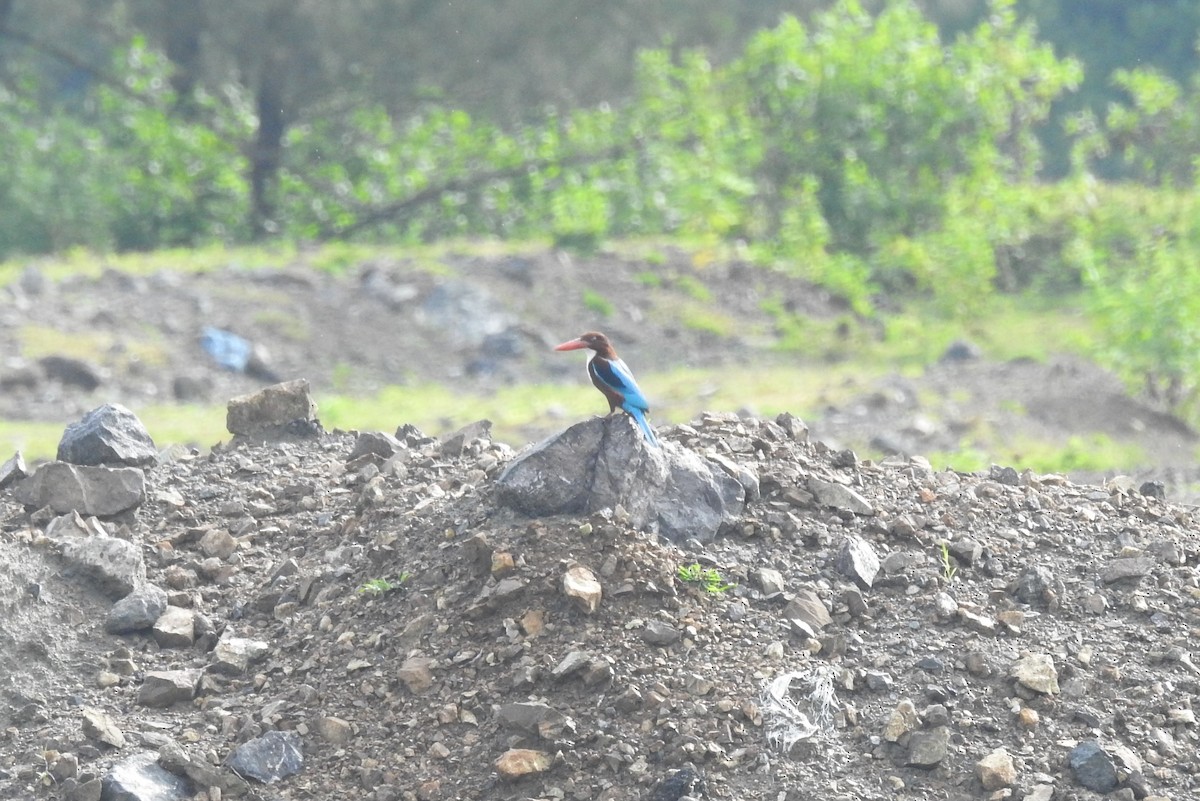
{"x":360,"y":615}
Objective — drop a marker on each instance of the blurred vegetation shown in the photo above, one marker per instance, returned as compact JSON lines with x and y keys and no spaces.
{"x":889,"y":151}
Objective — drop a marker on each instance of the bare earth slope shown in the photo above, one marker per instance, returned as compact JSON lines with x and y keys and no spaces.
{"x":1056,"y":614}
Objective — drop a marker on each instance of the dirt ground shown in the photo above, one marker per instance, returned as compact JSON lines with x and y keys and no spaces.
{"x":477,"y":323}
{"x":881,"y":628}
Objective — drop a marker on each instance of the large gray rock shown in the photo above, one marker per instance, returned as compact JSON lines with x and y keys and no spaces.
{"x":162,"y":688}
{"x":136,"y":611}
{"x":605,"y":462}
{"x":274,"y":756}
{"x":108,"y":435}
{"x":100,"y":491}
{"x":139,"y":778}
{"x":116,"y":565}
{"x":12,"y":470}
{"x":1093,"y":767}
{"x":278,"y":411}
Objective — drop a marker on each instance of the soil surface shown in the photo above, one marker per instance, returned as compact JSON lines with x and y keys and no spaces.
{"x":477,"y":323}
{"x":893,"y":630}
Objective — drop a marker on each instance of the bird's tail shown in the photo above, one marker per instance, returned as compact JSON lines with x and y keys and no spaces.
{"x":644,"y":424}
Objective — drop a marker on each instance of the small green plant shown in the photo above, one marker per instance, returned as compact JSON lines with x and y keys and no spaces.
{"x":949,"y":569}
{"x":648,"y":278}
{"x":381,"y":586}
{"x":708,"y":578}
{"x":595,"y":302}
{"x":693,"y":288}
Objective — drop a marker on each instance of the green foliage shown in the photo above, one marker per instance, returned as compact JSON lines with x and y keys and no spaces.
{"x":124,"y":172}
{"x":949,"y":567}
{"x":707,"y":578}
{"x":1144,"y":293}
{"x":596,"y":303}
{"x":376,"y":588}
{"x":1154,"y":136}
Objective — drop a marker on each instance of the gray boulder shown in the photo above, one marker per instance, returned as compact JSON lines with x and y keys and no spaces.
{"x":605,"y":462}
{"x":281,"y":411}
{"x":139,"y":778}
{"x":12,"y":470}
{"x":138,"y":610}
{"x":108,"y":435}
{"x":269,"y":758}
{"x":116,"y":565}
{"x":99,"y":491}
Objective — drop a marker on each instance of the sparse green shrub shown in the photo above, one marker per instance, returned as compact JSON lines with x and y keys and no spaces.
{"x":707,"y":578}
{"x":381,"y":586}
{"x":596,"y":303}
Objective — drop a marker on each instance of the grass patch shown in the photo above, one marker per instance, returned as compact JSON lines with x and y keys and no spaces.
{"x":332,"y":257}
{"x":96,"y":347}
{"x":1092,"y":453}
{"x":596,"y":303}
{"x":694,"y":288}
{"x":707,"y":320}
{"x":284,"y":323}
{"x":649,"y":279}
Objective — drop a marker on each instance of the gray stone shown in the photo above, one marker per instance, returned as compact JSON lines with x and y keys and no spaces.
{"x":603,"y":463}
{"x":417,"y":673}
{"x":581,"y":586}
{"x":162,"y":688}
{"x":769,"y":580}
{"x":1130,"y":567}
{"x":201,"y":772}
{"x":100,"y":491}
{"x":219,"y":543}
{"x":234,"y":655}
{"x":1033,"y":586}
{"x":12,"y":470}
{"x":572,"y":663}
{"x":744,"y":475}
{"x":928,"y":748}
{"x":374,"y":443}
{"x":175,"y":628}
{"x":454,"y":444}
{"x":840,"y":497}
{"x":793,"y":426}
{"x":108,"y":435}
{"x":1037,"y":673}
{"x":658,"y":632}
{"x":136,"y":611}
{"x":117,"y":566}
{"x":139,"y":778}
{"x":269,"y":758}
{"x":273,"y":411}
{"x":518,"y":763}
{"x":966,"y":551}
{"x":100,"y":727}
{"x":534,"y":718}
{"x":808,"y":608}
{"x":996,"y":770}
{"x":337,"y":731}
{"x":903,"y":720}
{"x":858,"y":561}
{"x":1093,"y":767}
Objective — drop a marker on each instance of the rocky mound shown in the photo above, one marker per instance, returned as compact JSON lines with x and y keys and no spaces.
{"x":352,"y":615}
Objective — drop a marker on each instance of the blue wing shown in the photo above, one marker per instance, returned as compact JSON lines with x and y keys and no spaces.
{"x":615,"y":375}
{"x":616,"y":382}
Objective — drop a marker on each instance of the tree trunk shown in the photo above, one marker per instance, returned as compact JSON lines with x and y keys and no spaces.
{"x":268,"y":146}
{"x":182,"y":25}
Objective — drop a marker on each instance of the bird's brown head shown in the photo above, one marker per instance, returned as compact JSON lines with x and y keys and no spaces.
{"x":592,"y":339}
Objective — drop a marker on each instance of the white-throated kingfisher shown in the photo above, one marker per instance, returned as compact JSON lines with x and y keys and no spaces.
{"x":612,"y":377}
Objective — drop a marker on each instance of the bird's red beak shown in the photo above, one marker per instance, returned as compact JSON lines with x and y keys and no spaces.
{"x":574,"y":344}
